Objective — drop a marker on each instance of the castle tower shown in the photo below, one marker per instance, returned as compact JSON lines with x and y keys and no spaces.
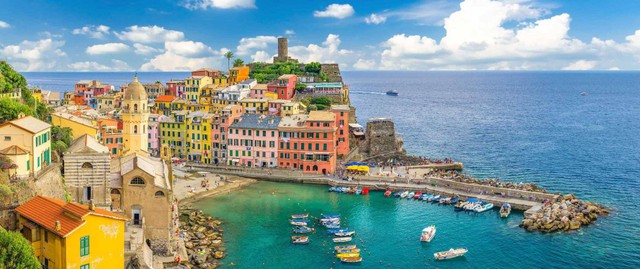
{"x":283,"y":48}
{"x":135,"y":119}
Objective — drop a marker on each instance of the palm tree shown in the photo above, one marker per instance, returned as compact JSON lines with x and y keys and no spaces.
{"x":238,"y":62}
{"x":229,"y":56}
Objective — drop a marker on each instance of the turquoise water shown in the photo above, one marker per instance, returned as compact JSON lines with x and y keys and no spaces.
{"x":387,"y":231}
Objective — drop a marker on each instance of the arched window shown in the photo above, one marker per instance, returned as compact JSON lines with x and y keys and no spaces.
{"x":159,"y":194}
{"x":87,"y":165}
{"x":115,"y":191}
{"x":135,"y":107}
{"x":137,"y":181}
{"x":315,"y":168}
{"x":135,"y":129}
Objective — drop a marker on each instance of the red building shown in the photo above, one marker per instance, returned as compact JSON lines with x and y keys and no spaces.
{"x":308,"y":142}
{"x":285,"y":86}
{"x":342,"y":123}
{"x":206,"y":72}
{"x":175,"y":87}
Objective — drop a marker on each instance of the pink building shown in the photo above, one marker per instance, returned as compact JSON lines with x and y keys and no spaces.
{"x":220,"y":129}
{"x":154,"y":134}
{"x":285,"y":86}
{"x":275,"y":106}
{"x":342,"y":123}
{"x":257,"y":92}
{"x":253,"y":141}
{"x":175,"y":88}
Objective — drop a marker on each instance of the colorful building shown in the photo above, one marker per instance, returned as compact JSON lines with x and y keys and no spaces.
{"x":342,"y":123}
{"x":258,"y":91}
{"x":219,"y":131}
{"x":198,"y":142}
{"x":206,"y":72}
{"x":175,"y":88}
{"x":194,"y":85}
{"x":285,"y":86}
{"x":79,"y":125}
{"x":292,"y":108}
{"x":173,"y":132}
{"x":237,"y":74}
{"x":308,"y":142}
{"x":69,"y":235}
{"x":253,"y":141}
{"x":27,"y":134}
{"x":164,"y":104}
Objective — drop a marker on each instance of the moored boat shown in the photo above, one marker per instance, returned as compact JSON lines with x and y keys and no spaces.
{"x":387,"y":193}
{"x":344,"y":234}
{"x":351,"y":260}
{"x":410,"y":195}
{"x":300,"y":216}
{"x":333,"y":189}
{"x":428,"y":233}
{"x":397,"y":194}
{"x":348,"y":250}
{"x":417,"y":195}
{"x":299,"y":222}
{"x":300,"y":240}
{"x":344,"y":247}
{"x":333,"y":231}
{"x":444,"y":200}
{"x":427,"y":197}
{"x":459,"y":206}
{"x":450,"y":254}
{"x":329,"y":216}
{"x":404,"y":194}
{"x":482,"y":207}
{"x":342,"y":239}
{"x":505,"y":210}
{"x":436,"y":199}
{"x":392,"y":93}
{"x":303,"y":230}
{"x":348,"y":255}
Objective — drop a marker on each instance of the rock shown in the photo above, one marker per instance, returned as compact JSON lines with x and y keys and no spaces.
{"x":218,"y":255}
{"x":188,"y":245}
{"x":574,"y":225}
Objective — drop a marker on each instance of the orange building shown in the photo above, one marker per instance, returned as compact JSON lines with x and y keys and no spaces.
{"x":308,"y":142}
{"x":111,"y":135}
{"x":237,"y":74}
{"x":342,"y":123}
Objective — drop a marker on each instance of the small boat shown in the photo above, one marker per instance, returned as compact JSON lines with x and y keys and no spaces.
{"x":348,"y":250}
{"x":444,"y":200}
{"x":387,"y":193}
{"x":329,"y":220}
{"x":410,"y":195}
{"x":453,"y":200}
{"x":450,"y":254}
{"x":332,"y":226}
{"x":351,"y":260}
{"x":427,"y":197}
{"x":482,"y":207}
{"x":334,"y":231}
{"x":460,"y":205}
{"x":337,"y":248}
{"x":344,"y":234}
{"x":299,"y":222}
{"x":428,"y":233}
{"x":397,"y":194}
{"x":392,"y":93}
{"x":329,"y":216}
{"x":404,"y":194}
{"x":333,"y":189}
{"x":342,"y":239}
{"x":505,"y":210}
{"x":417,"y":195}
{"x":365,"y":191}
{"x":300,"y":240}
{"x":348,"y":255}
{"x":584,"y":93}
{"x":359,"y":191}
{"x":303,"y":230}
{"x":437,"y":199}
{"x":300,"y":216}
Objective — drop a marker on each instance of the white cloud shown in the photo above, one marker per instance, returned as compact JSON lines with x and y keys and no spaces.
{"x":116,"y":66}
{"x":261,"y":56}
{"x":335,"y":11}
{"x":329,"y":52}
{"x":375,"y":19}
{"x":221,"y":4}
{"x":149,"y":34}
{"x":4,"y":24}
{"x":108,"y":48}
{"x":41,"y":55}
{"x":363,"y":64}
{"x":144,"y":49}
{"x":289,"y":32}
{"x":402,"y":45}
{"x":100,"y":31}
{"x":247,"y":44}
{"x":580,"y":65}
{"x":184,"y":56}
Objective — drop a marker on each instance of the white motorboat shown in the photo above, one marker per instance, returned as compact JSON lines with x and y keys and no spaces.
{"x":483,"y":207}
{"x":450,"y":254}
{"x":342,"y":239}
{"x":428,"y":233}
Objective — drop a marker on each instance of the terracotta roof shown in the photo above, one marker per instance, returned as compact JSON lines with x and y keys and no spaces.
{"x":165,"y":98}
{"x":14,"y":150}
{"x":46,"y":211}
{"x":29,"y":124}
{"x":321,"y":116}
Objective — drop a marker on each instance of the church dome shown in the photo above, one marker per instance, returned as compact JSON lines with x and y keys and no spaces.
{"x":135,"y":91}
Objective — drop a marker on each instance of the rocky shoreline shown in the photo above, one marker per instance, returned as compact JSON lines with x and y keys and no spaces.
{"x":565,"y":213}
{"x":202,"y":239}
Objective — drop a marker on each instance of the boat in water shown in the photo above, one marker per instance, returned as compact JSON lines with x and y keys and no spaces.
{"x":410,"y":195}
{"x":427,"y":197}
{"x":338,"y":248}
{"x":459,"y":206}
{"x":482,"y":207}
{"x":387,"y":193}
{"x":348,"y":255}
{"x":392,"y":93}
{"x":348,"y":250}
{"x":332,"y":225}
{"x":300,"y":240}
{"x":334,"y":231}
{"x":300,"y":216}
{"x":584,"y":93}
{"x":330,"y":216}
{"x":404,"y":194}
{"x":450,"y":254}
{"x":505,"y":210}
{"x":299,"y":222}
{"x":428,"y":233}
{"x":303,"y":230}
{"x":417,"y":195}
{"x":342,"y":239}
{"x":344,"y":234}
{"x":351,"y":260}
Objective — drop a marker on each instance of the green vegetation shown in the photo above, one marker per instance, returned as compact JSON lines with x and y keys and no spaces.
{"x":11,"y":108}
{"x":10,"y":79}
{"x":300,"y":87}
{"x":322,"y":102}
{"x":16,"y":251}
{"x":264,"y":73}
{"x":229,"y":55}
{"x":60,"y":139}
{"x":238,"y":62}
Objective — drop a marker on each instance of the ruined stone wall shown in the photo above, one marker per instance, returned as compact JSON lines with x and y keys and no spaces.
{"x":381,"y":138}
{"x":332,"y":71}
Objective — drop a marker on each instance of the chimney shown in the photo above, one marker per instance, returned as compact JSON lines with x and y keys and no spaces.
{"x":92,"y":206}
{"x":58,"y":226}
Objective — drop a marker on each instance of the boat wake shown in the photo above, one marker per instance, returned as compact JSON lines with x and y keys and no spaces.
{"x":367,"y":92}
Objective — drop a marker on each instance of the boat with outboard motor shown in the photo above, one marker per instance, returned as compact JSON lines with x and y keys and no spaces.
{"x":505,"y":210}
{"x":428,"y":233}
{"x":450,"y":254}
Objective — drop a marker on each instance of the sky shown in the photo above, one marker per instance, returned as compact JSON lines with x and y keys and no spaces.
{"x":182,"y":35}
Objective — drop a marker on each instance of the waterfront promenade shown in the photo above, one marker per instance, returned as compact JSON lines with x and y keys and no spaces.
{"x":519,"y":199}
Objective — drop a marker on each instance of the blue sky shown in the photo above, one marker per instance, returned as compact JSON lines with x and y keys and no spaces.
{"x":180,"y":35}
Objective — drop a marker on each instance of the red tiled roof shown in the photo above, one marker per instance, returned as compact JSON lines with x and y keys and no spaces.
{"x":46,"y":211}
{"x":165,"y":98}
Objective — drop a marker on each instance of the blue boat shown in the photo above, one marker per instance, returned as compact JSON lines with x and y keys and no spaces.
{"x":427,"y":197}
{"x":436,"y":198}
{"x":333,"y":189}
{"x":454,"y":200}
{"x":359,"y":191}
{"x":397,"y":194}
{"x":392,"y":93}
{"x":330,"y":216}
{"x":333,"y":231}
{"x":332,"y":226}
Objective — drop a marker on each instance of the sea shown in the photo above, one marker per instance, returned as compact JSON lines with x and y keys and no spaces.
{"x":569,"y":132}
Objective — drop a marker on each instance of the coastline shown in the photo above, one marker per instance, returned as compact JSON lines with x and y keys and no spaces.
{"x":231,"y":184}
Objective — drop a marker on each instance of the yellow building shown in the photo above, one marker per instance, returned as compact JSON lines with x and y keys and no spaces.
{"x":173,"y":132}
{"x":14,"y":94}
{"x":107,"y":101}
{"x":198,"y":142}
{"x":30,"y":135}
{"x":292,"y":108}
{"x":194,"y":85}
{"x":79,"y":125}
{"x":237,"y":74}
{"x":258,"y":106}
{"x":135,"y":118}
{"x":70,"y":235}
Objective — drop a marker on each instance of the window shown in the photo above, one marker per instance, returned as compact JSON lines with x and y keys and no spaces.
{"x":324,"y":147}
{"x":84,"y":247}
{"x":325,"y":134}
{"x":159,"y":194}
{"x":46,"y":236}
{"x":135,"y":129}
{"x":86,"y":266}
{"x":87,"y":165}
{"x":137,"y":181}
{"x":7,"y":138}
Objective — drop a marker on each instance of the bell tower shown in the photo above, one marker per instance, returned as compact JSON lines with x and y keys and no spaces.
{"x":135,"y":119}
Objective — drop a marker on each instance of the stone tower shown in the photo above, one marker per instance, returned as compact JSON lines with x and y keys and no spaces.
{"x":283,"y":48}
{"x":135,"y":119}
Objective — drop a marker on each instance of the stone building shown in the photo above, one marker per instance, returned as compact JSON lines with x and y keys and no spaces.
{"x":381,"y":138}
{"x":283,"y":52}
{"x":87,"y":171}
{"x":135,"y":118}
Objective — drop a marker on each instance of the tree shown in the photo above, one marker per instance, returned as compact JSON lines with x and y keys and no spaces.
{"x":238,"y":62}
{"x":312,"y":107}
{"x":16,"y":251}
{"x":321,"y":101}
{"x":301,"y":87}
{"x":10,"y":109}
{"x":229,"y":56}
{"x":10,"y":79}
{"x":313,"y":67}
